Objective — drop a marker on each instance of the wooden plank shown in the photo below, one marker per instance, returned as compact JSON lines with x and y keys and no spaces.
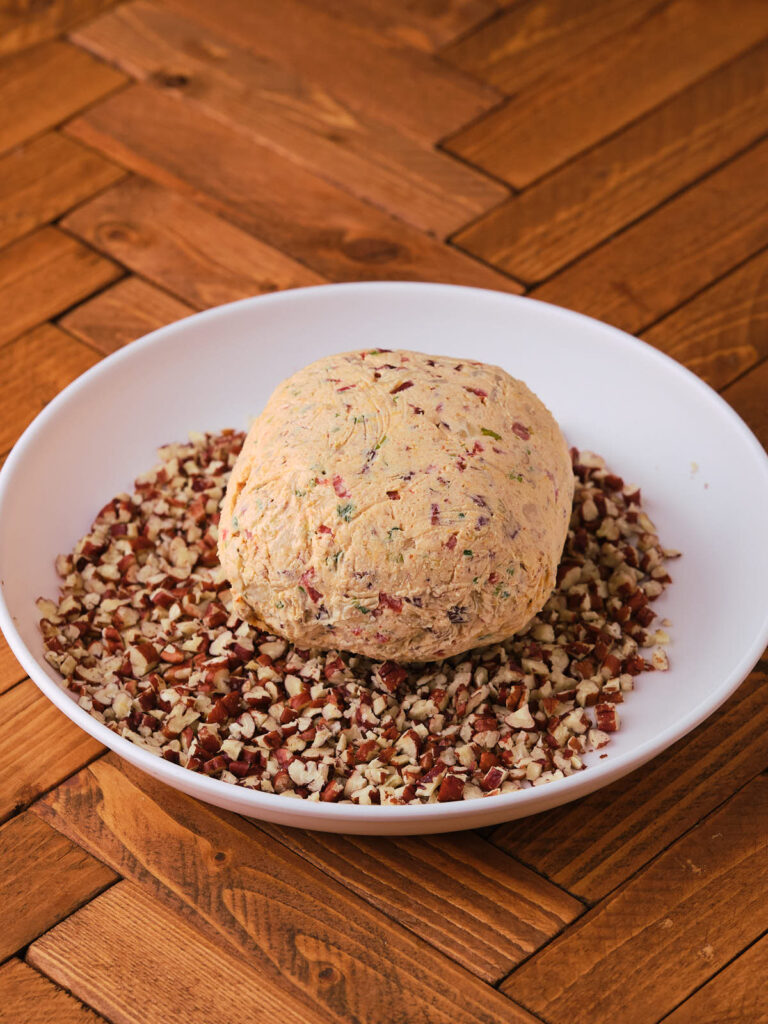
{"x":577,"y":207}
{"x":317,"y":943}
{"x":294,"y":116}
{"x":736,"y":995}
{"x":466,"y":891}
{"x":723,"y":331}
{"x":35,"y":860}
{"x":182,"y":247}
{"x":424,"y":24}
{"x":11,"y":671}
{"x":122,"y":313}
{"x":149,"y":934}
{"x":749,"y":397}
{"x":47,"y":84}
{"x":608,"y":85}
{"x":30,"y":768}
{"x":393,"y":83}
{"x":46,"y":177}
{"x":336,"y":234}
{"x":26,"y":24}
{"x":44,"y":273}
{"x":651,"y":944}
{"x":27,"y":996}
{"x":533,"y":40}
{"x":33,"y":369}
{"x":702,"y":234}
{"x":591,"y":846}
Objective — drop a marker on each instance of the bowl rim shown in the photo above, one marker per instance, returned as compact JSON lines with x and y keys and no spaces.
{"x":270,"y":805}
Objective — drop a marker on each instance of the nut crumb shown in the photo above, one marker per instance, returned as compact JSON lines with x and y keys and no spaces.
{"x":146,"y":640}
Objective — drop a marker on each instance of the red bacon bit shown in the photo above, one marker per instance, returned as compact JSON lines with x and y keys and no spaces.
{"x":435,"y":514}
{"x":482,"y":395}
{"x":461,"y":464}
{"x":451,"y":542}
{"x":339,"y":487}
{"x":347,"y":387}
{"x":477,"y":449}
{"x":322,"y":528}
{"x":401,"y":387}
{"x":493,"y":578}
{"x":314,"y":595}
{"x":393,"y":495}
{"x":521,"y":431}
{"x":395,"y":603}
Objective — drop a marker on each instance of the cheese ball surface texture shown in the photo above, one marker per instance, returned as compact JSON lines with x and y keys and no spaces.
{"x":397,"y":505}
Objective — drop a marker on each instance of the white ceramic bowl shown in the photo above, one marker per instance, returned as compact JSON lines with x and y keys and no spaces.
{"x":703,"y":474}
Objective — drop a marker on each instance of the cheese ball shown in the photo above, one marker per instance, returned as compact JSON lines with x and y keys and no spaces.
{"x":398,"y":505}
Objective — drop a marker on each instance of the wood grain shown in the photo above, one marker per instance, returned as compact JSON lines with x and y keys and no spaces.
{"x":46,"y":177}
{"x":591,"y":846}
{"x":167,"y":947}
{"x":317,"y":942}
{"x":11,"y":671}
{"x":749,"y":397}
{"x":47,"y":84}
{"x":485,"y":910}
{"x":193,"y":253}
{"x":723,"y":331}
{"x":393,"y":83}
{"x":702,"y":234}
{"x":577,"y":207}
{"x":58,"y":877}
{"x":26,"y":996}
{"x":294,"y":116}
{"x":609,"y":84}
{"x":122,"y":313}
{"x":734,"y":996}
{"x":26,"y":23}
{"x":33,"y":369}
{"x":59,"y":747}
{"x":314,"y":222}
{"x":663,"y":934}
{"x":533,"y":40}
{"x":44,"y":273}
{"x":424,"y":24}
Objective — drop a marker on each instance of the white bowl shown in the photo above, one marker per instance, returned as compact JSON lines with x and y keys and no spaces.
{"x":703,"y":474}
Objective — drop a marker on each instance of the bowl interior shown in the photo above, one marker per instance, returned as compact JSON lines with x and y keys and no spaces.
{"x":703,"y":475}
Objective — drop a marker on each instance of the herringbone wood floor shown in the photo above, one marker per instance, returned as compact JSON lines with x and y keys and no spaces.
{"x":161,"y":157}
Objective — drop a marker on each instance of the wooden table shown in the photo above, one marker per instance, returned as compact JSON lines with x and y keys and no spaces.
{"x":158,"y":158}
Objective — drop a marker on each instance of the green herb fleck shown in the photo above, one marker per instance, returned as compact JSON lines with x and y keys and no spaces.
{"x":235,"y":522}
{"x":394,"y":529}
{"x":302,"y":589}
{"x":468,"y":552}
{"x":462,"y":515}
{"x":365,"y":611}
{"x":381,"y":442}
{"x":299,"y":494}
{"x":527,"y":451}
{"x":511,"y":571}
{"x":346,"y":511}
{"x":490,"y":433}
{"x":475,"y":579}
{"x":358,"y":419}
{"x":279,"y":604}
{"x":516,"y":476}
